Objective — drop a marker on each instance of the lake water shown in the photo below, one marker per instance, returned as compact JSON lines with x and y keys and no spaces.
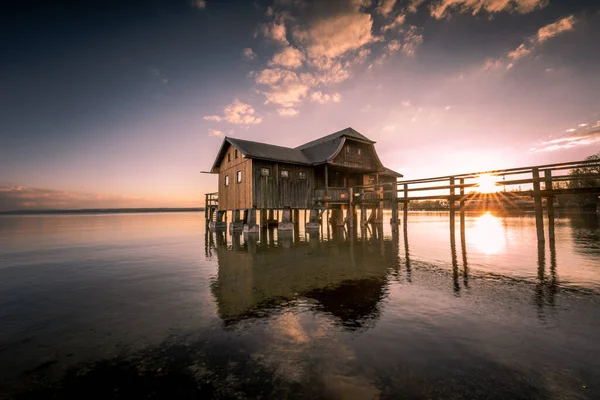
{"x":153,"y":306}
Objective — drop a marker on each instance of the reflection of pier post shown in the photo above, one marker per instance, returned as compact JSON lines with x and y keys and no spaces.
{"x":539,"y":212}
{"x":453,"y":254}
{"x":406,"y":252}
{"x":463,"y":241}
{"x":236,"y":240}
{"x":541,"y":276}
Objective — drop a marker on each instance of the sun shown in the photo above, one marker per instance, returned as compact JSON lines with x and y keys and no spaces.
{"x":486,"y":183}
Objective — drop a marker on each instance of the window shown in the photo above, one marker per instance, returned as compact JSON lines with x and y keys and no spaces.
{"x":358,"y":152}
{"x":347,"y":149}
{"x":302,"y":175}
{"x":228,"y":157}
{"x":226,"y":180}
{"x":238,"y":176}
{"x":265,"y":172}
{"x":235,"y":154}
{"x":285,"y":173}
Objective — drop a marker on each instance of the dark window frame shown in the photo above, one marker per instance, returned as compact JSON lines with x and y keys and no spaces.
{"x":226,"y":180}
{"x":235,"y":153}
{"x":238,"y":176}
{"x":302,"y":175}
{"x":287,"y":173}
{"x":263,"y":169}
{"x":228,"y":157}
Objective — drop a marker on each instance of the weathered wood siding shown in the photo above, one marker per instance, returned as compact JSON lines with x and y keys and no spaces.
{"x":357,"y":155}
{"x":236,"y":196}
{"x":273,"y":191}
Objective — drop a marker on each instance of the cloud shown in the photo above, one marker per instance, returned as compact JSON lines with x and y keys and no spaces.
{"x":543,"y":34}
{"x":288,"y":95}
{"x":519,"y":52}
{"x":248,"y":54}
{"x":583,"y":135}
{"x":289,"y":57}
{"x":412,"y":39}
{"x":275,"y":31}
{"x":393,"y":46}
{"x":27,"y":198}
{"x":385,"y":6}
{"x":288,"y":112}
{"x":285,"y":88}
{"x":395,"y":24}
{"x":321,"y":98}
{"x":241,"y":114}
{"x":236,"y":113}
{"x":332,"y":37}
{"x":216,"y":133}
{"x":198,"y":4}
{"x":442,"y":9}
{"x":413,"y":5}
{"x":549,"y":31}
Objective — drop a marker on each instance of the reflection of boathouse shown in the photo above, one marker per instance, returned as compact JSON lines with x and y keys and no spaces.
{"x":345,"y":279}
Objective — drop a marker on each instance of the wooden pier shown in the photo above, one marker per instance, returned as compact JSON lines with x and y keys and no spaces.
{"x":542,"y":183}
{"x":341,"y":205}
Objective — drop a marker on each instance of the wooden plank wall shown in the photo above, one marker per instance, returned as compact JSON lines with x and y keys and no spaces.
{"x":273,"y":191}
{"x":236,"y":196}
{"x":366,"y":160}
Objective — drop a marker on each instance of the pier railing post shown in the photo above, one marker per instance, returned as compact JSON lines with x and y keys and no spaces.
{"x":539,"y":212}
{"x":549,"y":203}
{"x":405,"y":208}
{"x":395,"y":205}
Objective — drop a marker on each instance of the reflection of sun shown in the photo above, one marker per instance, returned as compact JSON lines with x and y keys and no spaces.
{"x":486,"y":183}
{"x":488,"y":234}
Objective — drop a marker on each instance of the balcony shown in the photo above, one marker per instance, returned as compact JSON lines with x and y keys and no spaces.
{"x":332,"y":195}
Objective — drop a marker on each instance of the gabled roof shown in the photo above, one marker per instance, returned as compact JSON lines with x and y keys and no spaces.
{"x":262,"y":151}
{"x":318,"y":151}
{"x":390,"y":172}
{"x":348,"y":132}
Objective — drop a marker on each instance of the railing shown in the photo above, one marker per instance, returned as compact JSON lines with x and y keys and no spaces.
{"x":332,"y":195}
{"x":211,"y":199}
{"x":542,"y":181}
{"x":211,"y":203}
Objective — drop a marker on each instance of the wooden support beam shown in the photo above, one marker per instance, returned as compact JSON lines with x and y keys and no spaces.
{"x":395,"y":206}
{"x":313,"y":221}
{"x":286,"y":220}
{"x":296,"y":219}
{"x":405,"y":208}
{"x":263,"y":218}
{"x":237,"y":223}
{"x":462,"y":194}
{"x":251,"y":226}
{"x":549,"y":204}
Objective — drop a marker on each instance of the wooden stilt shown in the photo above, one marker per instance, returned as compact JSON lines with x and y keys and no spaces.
{"x":251,"y":226}
{"x":395,"y":206}
{"x":237,"y":224}
{"x":286,"y":220}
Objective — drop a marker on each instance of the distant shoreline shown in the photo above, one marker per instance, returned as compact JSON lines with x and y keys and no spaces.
{"x":102,"y":211}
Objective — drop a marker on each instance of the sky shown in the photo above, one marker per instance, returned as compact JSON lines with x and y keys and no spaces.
{"x":123,"y":103}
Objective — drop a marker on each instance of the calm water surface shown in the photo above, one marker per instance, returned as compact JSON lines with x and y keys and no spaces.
{"x":152,"y":306}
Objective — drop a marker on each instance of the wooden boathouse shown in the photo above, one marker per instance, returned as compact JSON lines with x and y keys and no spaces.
{"x":337,"y":172}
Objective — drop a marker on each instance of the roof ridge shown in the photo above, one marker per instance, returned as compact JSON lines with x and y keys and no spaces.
{"x":255,"y":142}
